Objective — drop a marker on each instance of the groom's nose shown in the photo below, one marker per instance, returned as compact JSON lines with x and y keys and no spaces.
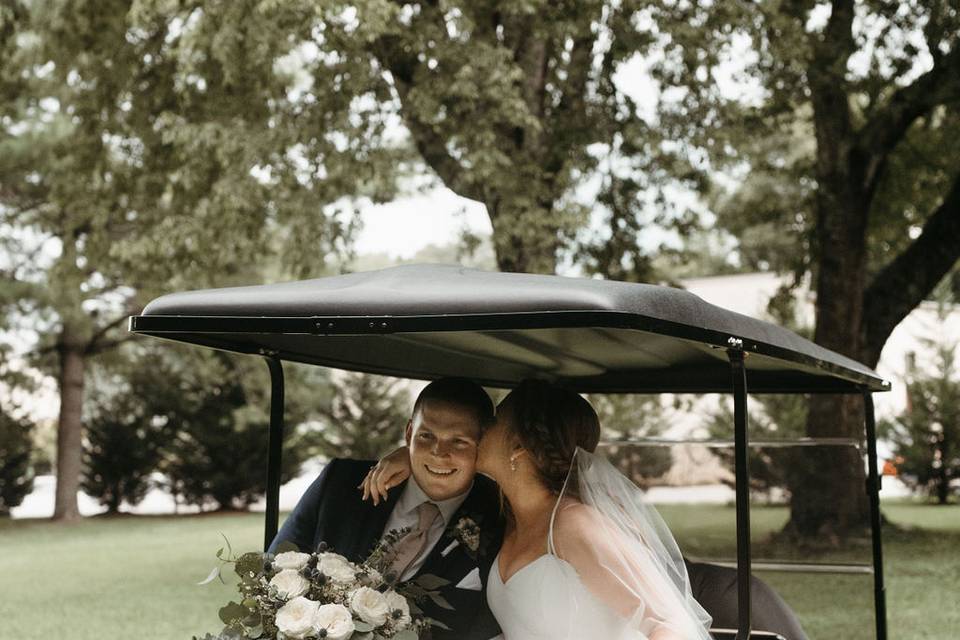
{"x":439,"y":448}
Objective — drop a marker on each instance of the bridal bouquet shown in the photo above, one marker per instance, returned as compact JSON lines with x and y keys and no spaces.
{"x":294,"y":595}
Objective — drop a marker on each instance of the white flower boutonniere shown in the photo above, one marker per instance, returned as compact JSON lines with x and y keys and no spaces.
{"x":467,"y":532}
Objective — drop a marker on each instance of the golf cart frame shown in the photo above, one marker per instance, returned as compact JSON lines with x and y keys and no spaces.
{"x":429,"y":321}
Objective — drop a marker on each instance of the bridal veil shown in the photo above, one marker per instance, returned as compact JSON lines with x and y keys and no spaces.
{"x":624,"y":553}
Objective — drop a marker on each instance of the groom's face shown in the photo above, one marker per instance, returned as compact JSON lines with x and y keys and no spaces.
{"x":443,"y":437}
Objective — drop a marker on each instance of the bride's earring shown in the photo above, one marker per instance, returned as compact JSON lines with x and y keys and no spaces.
{"x":513,"y":464}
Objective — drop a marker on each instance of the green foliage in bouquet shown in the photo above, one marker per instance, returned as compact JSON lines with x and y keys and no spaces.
{"x":294,"y":595}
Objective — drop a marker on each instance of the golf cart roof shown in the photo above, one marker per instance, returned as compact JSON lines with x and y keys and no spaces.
{"x":427,"y":321}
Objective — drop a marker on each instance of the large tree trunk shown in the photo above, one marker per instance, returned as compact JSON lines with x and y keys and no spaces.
{"x":829,"y":501}
{"x":69,"y":426}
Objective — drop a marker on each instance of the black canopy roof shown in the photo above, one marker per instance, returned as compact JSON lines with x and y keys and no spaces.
{"x":427,"y":321}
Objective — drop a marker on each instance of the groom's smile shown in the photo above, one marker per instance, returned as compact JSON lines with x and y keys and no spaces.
{"x":439,"y":472}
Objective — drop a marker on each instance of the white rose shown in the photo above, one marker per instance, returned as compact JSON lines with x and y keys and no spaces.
{"x":290,"y":584}
{"x":396,"y":602}
{"x":370,"y":605}
{"x":337,"y":568}
{"x":335,"y":619}
{"x":297,"y":618}
{"x":291,"y":560}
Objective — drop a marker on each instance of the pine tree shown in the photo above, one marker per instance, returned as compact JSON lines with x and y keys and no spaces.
{"x":364,"y":418}
{"x":16,"y":470}
{"x":926,"y":436}
{"x":121,"y":448}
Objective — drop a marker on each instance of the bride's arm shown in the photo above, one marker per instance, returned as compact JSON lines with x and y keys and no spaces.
{"x":622,"y":575}
{"x":391,"y":470}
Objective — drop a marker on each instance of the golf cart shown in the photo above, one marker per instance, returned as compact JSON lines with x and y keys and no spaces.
{"x":596,"y":336}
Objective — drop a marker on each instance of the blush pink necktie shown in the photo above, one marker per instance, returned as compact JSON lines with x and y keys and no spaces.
{"x":410,"y":546}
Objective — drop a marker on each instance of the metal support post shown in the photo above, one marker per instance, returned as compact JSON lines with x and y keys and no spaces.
{"x":742,"y":473}
{"x":275,"y":451}
{"x":873,"y":493}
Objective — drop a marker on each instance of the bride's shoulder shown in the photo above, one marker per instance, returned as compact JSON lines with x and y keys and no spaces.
{"x":575,"y":515}
{"x":578,"y":525}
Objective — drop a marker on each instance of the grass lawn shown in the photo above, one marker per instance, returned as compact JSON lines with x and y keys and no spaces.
{"x":134,"y":576}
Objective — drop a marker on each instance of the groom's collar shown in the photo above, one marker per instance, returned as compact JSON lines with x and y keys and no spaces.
{"x":413,"y":496}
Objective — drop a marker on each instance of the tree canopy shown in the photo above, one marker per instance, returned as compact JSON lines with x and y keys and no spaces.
{"x":150,"y":146}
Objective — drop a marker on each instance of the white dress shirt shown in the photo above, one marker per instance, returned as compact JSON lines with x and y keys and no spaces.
{"x":404,"y":515}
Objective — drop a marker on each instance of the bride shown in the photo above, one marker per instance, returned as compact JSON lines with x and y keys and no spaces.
{"x":583,"y":556}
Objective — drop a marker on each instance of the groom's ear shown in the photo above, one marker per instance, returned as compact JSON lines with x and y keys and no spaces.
{"x":408,"y":432}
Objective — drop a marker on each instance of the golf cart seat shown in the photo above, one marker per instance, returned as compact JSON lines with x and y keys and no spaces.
{"x":715,"y":588}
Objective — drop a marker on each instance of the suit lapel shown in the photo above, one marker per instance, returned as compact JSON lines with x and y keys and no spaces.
{"x":370,"y":524}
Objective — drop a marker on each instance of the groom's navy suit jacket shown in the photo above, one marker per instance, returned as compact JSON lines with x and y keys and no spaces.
{"x":333,"y":512}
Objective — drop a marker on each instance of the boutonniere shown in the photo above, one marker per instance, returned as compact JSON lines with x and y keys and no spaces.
{"x":465,"y":533}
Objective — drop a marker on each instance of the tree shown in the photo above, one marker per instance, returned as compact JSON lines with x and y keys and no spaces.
{"x":16,"y":470}
{"x":772,"y":417}
{"x":512,"y":104}
{"x":150,"y":146}
{"x":365,"y":417}
{"x":926,"y":436}
{"x":629,"y":419}
{"x":215,"y":418}
{"x":122,"y":444}
{"x":872,"y":92}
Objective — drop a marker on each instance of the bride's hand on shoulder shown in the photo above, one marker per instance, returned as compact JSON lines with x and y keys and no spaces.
{"x":391,"y":470}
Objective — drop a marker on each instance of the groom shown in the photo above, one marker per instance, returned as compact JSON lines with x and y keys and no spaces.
{"x":442,"y":503}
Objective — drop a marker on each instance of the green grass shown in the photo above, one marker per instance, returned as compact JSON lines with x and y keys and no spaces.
{"x":921,"y":560}
{"x":135,"y":577}
{"x":126,"y":577}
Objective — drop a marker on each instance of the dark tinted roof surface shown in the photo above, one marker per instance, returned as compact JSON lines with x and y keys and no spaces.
{"x":426,"y":321}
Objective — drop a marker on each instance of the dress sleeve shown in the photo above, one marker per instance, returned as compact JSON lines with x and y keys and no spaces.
{"x":623,"y":573}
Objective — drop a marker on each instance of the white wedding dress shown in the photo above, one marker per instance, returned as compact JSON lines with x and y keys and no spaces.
{"x":632,"y":584}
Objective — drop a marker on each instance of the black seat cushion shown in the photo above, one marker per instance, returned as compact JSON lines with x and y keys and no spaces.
{"x":715,"y":588}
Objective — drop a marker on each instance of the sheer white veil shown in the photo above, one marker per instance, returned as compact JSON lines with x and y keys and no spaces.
{"x":628,"y":558}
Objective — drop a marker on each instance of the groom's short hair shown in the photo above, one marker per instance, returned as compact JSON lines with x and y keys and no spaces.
{"x":462,"y":392}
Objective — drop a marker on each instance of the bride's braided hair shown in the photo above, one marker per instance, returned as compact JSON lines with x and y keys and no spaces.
{"x":550,"y":422}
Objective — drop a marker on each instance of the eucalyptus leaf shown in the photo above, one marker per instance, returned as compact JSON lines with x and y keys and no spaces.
{"x":436,"y":623}
{"x":362,"y":626}
{"x":213,"y":575}
{"x":429,"y":581}
{"x":440,"y":601}
{"x":231,"y":612}
{"x":250,"y":562}
{"x":416,"y":591}
{"x":229,"y":548}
